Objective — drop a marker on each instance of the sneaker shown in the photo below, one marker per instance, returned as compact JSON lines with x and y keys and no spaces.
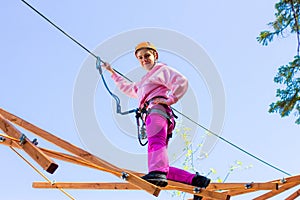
{"x":156,"y":178}
{"x":201,"y":182}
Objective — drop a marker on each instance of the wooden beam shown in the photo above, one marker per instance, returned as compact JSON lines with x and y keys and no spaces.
{"x":240,"y":192}
{"x":294,"y":195}
{"x":273,"y":193}
{"x":125,"y":186}
{"x":286,"y":180}
{"x":69,"y":158}
{"x":243,"y":186}
{"x":128,"y":186}
{"x":150,"y":188}
{"x":56,"y":155}
{"x":96,"y":162}
{"x":85,"y":186}
{"x":8,"y":142}
{"x":191,"y":189}
{"x":36,"y":154}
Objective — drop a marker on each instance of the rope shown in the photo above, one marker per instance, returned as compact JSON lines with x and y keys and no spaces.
{"x":41,"y":174}
{"x":116,"y":98}
{"x":8,"y":137}
{"x":99,"y":61}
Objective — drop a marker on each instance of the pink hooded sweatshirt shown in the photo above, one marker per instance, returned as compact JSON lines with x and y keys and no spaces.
{"x":161,"y":81}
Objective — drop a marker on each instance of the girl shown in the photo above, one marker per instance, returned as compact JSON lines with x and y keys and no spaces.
{"x":161,"y":87}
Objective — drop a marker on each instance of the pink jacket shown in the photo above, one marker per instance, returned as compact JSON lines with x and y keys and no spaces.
{"x":161,"y":80}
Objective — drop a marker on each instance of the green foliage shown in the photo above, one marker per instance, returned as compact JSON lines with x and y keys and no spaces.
{"x":288,"y":75}
{"x":287,"y":22}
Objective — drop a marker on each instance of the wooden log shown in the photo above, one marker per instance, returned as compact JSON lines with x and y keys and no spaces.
{"x":35,"y":153}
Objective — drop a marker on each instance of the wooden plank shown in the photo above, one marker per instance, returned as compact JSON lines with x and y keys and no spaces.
{"x":294,"y":195}
{"x":150,"y":188}
{"x":240,"y":192}
{"x":79,"y":161}
{"x":8,"y":142}
{"x":242,"y":186}
{"x":125,"y":186}
{"x":173,"y":185}
{"x":37,"y":155}
{"x":273,"y":193}
{"x":85,"y":186}
{"x":132,"y":178}
{"x":286,"y":180}
{"x":76,"y":160}
{"x":57,"y":155}
{"x":71,"y":159}
{"x":86,"y":156}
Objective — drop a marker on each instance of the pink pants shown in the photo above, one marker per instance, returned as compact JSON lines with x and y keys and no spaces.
{"x":157,"y":127}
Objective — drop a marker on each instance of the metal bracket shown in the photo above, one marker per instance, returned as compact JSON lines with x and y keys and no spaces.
{"x":2,"y":139}
{"x":248,"y":185}
{"x":124,"y":175}
{"x":35,"y":142}
{"x":283,"y":180}
{"x":197,"y":190}
{"x":53,"y":182}
{"x":22,"y":139}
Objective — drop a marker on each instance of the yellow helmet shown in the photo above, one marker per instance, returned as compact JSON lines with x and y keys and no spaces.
{"x":146,"y":45}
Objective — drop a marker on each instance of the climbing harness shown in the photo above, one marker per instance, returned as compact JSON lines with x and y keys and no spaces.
{"x":98,"y":64}
{"x":141,"y":130}
{"x":142,"y":114}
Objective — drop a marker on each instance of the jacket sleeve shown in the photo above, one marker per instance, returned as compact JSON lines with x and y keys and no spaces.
{"x":174,"y":81}
{"x":128,"y":88}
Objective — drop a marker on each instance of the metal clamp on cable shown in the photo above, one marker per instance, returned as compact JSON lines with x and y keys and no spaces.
{"x":98,"y":65}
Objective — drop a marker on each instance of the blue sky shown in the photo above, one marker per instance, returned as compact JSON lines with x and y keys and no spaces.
{"x":40,"y":67}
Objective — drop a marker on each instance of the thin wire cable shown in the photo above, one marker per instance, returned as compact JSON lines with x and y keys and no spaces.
{"x":230,"y":143}
{"x":66,"y":34}
{"x":41,"y":174}
{"x":223,"y":139}
{"x":69,"y":36}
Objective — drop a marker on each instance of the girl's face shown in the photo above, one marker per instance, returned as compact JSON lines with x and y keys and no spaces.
{"x":147,"y":58}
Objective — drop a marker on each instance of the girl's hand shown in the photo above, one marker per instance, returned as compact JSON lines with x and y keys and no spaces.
{"x":108,"y":67}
